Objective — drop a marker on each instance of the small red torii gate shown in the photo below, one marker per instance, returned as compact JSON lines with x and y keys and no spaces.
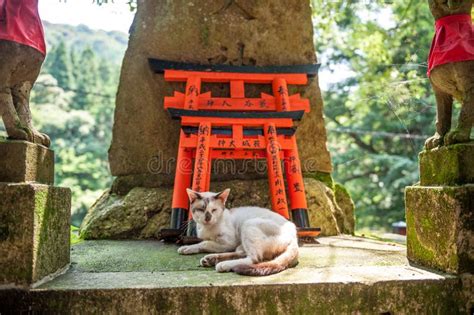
{"x":238,"y":127}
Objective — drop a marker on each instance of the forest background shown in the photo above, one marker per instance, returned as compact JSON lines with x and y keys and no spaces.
{"x":379,"y":106}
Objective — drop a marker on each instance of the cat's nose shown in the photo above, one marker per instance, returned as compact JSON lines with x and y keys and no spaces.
{"x":207,"y":216}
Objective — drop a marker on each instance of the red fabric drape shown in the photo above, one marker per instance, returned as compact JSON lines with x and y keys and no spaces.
{"x":20,"y":22}
{"x":453,"y":41}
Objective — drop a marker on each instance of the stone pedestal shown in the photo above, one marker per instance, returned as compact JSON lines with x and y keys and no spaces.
{"x":440,"y":212}
{"x":447,"y":166}
{"x":22,"y":161}
{"x":34,"y":217}
{"x":440,"y":227}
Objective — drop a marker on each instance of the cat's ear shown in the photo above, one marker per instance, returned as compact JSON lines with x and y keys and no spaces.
{"x":193,"y":195}
{"x":222,"y":196}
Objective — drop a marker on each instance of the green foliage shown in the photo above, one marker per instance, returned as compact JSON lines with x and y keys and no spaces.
{"x":59,"y":65}
{"x":88,"y":81}
{"x":75,"y":239}
{"x":379,"y":116}
{"x":107,"y":45}
{"x":73,"y":102}
{"x":132,"y":4}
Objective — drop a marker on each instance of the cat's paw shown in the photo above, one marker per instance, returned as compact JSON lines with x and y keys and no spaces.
{"x":187,"y":250}
{"x":209,"y":260}
{"x":224,"y":266}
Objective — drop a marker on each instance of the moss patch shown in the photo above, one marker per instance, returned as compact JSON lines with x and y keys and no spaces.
{"x":127,"y":256}
{"x":326,"y":178}
{"x":447,"y":166}
{"x":435,"y":223}
{"x":205,"y":33}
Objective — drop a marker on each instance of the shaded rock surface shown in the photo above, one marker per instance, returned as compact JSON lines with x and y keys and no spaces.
{"x":142,"y":212}
{"x":139,"y":214}
{"x":267,"y":32}
{"x":440,"y":227}
{"x":344,"y":201}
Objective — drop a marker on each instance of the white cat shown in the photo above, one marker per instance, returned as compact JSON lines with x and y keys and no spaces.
{"x":252,"y":241}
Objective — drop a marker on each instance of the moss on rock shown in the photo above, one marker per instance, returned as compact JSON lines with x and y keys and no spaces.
{"x":139,"y":214}
{"x":326,"y":178}
{"x":344,"y":200}
{"x":439,"y":227}
{"x":447,"y":165}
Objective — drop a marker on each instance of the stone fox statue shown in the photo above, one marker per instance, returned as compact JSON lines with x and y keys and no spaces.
{"x":22,"y":51}
{"x":451,"y":70}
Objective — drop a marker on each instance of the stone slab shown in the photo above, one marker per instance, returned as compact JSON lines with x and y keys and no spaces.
{"x":440,"y":227}
{"x":340,"y":275}
{"x":22,"y":161}
{"x":104,"y":256}
{"x":447,"y":166}
{"x":34,"y":232}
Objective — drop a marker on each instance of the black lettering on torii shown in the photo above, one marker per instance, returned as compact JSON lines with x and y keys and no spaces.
{"x":204,"y":130}
{"x":193,"y":90}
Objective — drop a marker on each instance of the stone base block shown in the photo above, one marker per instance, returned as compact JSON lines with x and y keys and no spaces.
{"x":22,"y":161}
{"x":34,"y":232}
{"x":447,"y":166}
{"x":440,"y":227}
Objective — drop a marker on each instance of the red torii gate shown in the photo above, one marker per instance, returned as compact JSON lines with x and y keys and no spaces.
{"x":238,"y":127}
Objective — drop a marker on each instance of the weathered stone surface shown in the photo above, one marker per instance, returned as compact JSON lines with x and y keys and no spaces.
{"x":107,"y":256}
{"x":344,"y":201}
{"x":265,"y":32}
{"x":342,"y":275}
{"x":22,"y":161}
{"x":447,"y":165}
{"x":142,"y":212}
{"x":123,"y":184}
{"x":440,"y":227}
{"x":322,"y":208}
{"x":34,"y":232}
{"x":139,"y":214}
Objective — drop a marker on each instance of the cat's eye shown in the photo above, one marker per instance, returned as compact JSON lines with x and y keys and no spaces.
{"x":214,"y":210}
{"x":199,"y":209}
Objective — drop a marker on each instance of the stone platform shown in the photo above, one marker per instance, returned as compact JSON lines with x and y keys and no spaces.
{"x":341,"y":275}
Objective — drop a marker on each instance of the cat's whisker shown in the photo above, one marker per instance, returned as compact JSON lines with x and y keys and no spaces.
{"x":184,"y":226}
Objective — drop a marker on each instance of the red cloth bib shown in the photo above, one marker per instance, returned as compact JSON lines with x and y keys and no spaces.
{"x":453,"y":41}
{"x":20,"y":23}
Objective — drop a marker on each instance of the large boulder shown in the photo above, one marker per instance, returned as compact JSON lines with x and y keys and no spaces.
{"x":239,"y":32}
{"x":142,"y":212}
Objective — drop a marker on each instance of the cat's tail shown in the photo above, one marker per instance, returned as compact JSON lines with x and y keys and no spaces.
{"x":287,"y":259}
